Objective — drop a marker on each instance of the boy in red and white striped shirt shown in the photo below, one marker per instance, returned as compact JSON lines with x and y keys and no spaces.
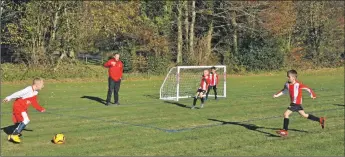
{"x":204,"y":83}
{"x":213,"y":83}
{"x":295,"y":90}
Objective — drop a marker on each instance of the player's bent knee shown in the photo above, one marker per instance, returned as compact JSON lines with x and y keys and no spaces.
{"x":286,"y":115}
{"x":305,"y":115}
{"x":26,"y":121}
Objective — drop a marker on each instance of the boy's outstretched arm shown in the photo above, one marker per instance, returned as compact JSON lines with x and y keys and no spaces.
{"x":17,"y":94}
{"x":281,"y":92}
{"x":36,"y":105}
{"x":311,"y":92}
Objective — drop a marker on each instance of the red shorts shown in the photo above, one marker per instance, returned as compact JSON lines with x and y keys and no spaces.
{"x":19,"y":113}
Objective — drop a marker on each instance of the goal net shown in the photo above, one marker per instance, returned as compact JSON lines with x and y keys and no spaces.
{"x":183,"y":82}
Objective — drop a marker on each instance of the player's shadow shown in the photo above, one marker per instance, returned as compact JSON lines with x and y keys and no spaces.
{"x":339,"y":105}
{"x":177,"y":104}
{"x":254,"y":127}
{"x":152,"y":96}
{"x":100,"y":100}
{"x":9,"y":129}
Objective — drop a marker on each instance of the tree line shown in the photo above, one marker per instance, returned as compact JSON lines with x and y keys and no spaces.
{"x":152,"y":36}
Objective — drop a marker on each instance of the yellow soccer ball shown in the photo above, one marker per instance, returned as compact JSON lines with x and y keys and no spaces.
{"x":59,"y":139}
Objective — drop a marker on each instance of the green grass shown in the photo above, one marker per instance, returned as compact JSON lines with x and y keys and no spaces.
{"x":132,"y":129}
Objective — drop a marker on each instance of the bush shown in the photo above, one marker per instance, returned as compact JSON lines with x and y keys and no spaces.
{"x":12,"y":72}
{"x":159,"y":65}
{"x":262,"y":55}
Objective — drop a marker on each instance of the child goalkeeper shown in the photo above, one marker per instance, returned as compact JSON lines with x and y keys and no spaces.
{"x":23,"y":99}
{"x":204,"y":83}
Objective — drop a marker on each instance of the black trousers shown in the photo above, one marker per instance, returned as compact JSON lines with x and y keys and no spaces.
{"x":113,"y":86}
{"x":214,"y":89}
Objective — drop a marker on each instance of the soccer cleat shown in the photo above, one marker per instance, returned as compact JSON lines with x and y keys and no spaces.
{"x":322,"y":122}
{"x":117,"y":104}
{"x":107,"y":104}
{"x":282,"y":132}
{"x":193,"y":107}
{"x":202,"y":106}
{"x":14,"y":138}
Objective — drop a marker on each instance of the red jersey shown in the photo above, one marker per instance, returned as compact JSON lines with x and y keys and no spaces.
{"x":205,"y":82}
{"x":295,"y":91}
{"x":213,"y":79}
{"x":25,"y":98}
{"x":115,"y":71}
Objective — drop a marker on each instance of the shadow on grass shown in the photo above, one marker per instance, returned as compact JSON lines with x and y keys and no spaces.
{"x":97,"y":99}
{"x":152,"y":96}
{"x":177,"y":104}
{"x":254,"y":127}
{"x":339,"y":105}
{"x":9,"y":129}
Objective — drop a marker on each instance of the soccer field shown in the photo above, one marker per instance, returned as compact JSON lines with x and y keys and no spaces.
{"x":243,"y":124}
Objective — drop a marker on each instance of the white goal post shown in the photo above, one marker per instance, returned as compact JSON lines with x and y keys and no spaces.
{"x":183,"y":81}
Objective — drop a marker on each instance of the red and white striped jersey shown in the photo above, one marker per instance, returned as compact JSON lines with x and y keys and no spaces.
{"x":213,"y":79}
{"x":295,"y":91}
{"x":204,"y":83}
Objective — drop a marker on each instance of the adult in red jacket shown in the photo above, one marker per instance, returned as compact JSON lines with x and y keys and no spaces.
{"x":115,"y":67}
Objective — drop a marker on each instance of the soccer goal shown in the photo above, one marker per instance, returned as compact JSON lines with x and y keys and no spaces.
{"x":183,"y":81}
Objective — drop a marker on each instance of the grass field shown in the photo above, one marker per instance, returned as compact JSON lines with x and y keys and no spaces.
{"x":243,"y":124}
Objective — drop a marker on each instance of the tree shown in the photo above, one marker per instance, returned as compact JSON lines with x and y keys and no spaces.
{"x":179,"y":32}
{"x":152,"y":34}
{"x":186,"y":25}
{"x":279,"y":19}
{"x":191,"y":29}
{"x":316,"y":23}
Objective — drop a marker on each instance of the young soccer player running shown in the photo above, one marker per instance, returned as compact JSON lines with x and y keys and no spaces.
{"x":295,"y":90}
{"x":213,"y":82}
{"x":23,"y":99}
{"x":204,"y":83}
